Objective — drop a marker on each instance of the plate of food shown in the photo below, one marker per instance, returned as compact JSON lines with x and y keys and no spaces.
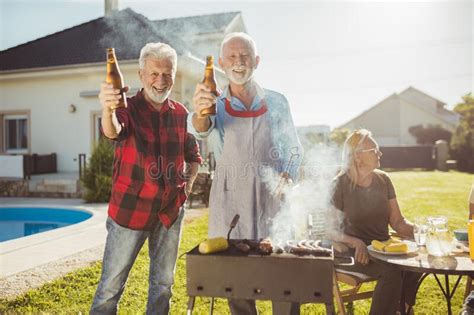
{"x":393,"y":247}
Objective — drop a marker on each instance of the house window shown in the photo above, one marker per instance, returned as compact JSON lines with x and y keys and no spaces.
{"x":16,"y":133}
{"x":97,"y":132}
{"x":96,"y":117}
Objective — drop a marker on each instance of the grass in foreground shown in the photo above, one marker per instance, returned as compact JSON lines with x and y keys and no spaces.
{"x":419,"y":193}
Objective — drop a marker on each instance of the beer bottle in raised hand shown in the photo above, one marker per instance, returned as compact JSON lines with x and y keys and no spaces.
{"x":115,"y":77}
{"x":210,"y":82}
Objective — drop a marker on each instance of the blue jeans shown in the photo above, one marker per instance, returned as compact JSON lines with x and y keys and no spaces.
{"x":121,"y":250}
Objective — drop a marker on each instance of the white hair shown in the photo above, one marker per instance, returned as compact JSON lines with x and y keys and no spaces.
{"x":244,"y":36}
{"x":161,"y":51}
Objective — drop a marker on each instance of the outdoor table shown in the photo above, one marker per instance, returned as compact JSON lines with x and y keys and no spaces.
{"x":457,"y":264}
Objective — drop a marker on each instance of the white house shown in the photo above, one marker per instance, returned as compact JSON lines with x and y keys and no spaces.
{"x":390,"y":119}
{"x":49,"y":86}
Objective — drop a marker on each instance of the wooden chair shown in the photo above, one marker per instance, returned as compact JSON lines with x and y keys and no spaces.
{"x":355,"y":281}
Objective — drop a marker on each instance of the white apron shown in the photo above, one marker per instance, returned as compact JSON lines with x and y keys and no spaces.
{"x":238,"y":186}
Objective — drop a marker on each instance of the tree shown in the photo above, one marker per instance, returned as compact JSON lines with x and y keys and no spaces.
{"x":462,"y":142}
{"x":429,"y":134}
{"x":339,"y":136}
{"x":97,"y":178}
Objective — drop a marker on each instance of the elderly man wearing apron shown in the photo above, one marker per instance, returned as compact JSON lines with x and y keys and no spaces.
{"x":252,"y":135}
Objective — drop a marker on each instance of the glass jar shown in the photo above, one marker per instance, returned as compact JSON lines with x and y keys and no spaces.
{"x":439,"y":241}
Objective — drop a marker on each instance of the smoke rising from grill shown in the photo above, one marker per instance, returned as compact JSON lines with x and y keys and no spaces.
{"x":306,"y":210}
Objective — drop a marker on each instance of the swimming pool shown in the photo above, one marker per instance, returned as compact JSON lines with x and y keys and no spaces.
{"x":16,"y":222}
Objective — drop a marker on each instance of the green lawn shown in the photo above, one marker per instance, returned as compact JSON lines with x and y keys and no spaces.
{"x":419,"y":193}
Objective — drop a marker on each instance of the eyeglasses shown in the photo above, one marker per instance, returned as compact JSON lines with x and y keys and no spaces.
{"x":375,"y":150}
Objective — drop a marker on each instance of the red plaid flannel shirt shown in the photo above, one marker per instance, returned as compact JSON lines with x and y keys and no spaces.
{"x":150,"y":155}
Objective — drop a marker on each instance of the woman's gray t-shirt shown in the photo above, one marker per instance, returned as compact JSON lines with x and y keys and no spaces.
{"x":366,"y":209}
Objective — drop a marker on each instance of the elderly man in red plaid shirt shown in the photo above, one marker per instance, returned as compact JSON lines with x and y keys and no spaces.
{"x":150,"y":183}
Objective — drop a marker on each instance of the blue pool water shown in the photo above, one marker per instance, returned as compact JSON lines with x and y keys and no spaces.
{"x":19,"y":222}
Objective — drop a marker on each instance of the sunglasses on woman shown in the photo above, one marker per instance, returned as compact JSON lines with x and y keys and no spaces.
{"x":376,"y":150}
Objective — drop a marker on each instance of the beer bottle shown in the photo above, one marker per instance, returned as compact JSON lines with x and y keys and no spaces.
{"x":210,"y":82}
{"x":115,"y":77}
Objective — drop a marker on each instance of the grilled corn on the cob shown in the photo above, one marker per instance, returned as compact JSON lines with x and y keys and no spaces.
{"x":213,"y":245}
{"x":391,"y":245}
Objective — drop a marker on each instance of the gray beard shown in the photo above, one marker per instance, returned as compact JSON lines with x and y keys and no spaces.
{"x":157,"y":98}
{"x":238,"y":81}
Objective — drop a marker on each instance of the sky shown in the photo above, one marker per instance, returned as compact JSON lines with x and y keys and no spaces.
{"x":331,"y":59}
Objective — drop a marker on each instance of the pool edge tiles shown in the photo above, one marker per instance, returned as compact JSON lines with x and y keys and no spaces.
{"x":27,"y":252}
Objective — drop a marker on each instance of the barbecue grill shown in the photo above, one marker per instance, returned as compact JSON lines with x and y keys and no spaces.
{"x":281,"y":276}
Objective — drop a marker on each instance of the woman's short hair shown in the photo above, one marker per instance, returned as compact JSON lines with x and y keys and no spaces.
{"x":161,"y":51}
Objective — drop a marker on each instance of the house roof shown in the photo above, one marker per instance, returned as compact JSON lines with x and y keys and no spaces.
{"x":429,"y":104}
{"x":421,"y":100}
{"x":125,"y":30}
{"x":367,"y":110}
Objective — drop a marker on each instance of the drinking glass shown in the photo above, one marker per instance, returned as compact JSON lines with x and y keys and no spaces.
{"x":420,"y":230}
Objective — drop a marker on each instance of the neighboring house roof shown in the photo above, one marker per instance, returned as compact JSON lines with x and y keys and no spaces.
{"x":197,"y":25}
{"x":125,"y":30}
{"x":421,"y":100}
{"x":344,"y":125}
{"x":430,"y":104}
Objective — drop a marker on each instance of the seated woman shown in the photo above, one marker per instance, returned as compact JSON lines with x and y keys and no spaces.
{"x":367,"y":199}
